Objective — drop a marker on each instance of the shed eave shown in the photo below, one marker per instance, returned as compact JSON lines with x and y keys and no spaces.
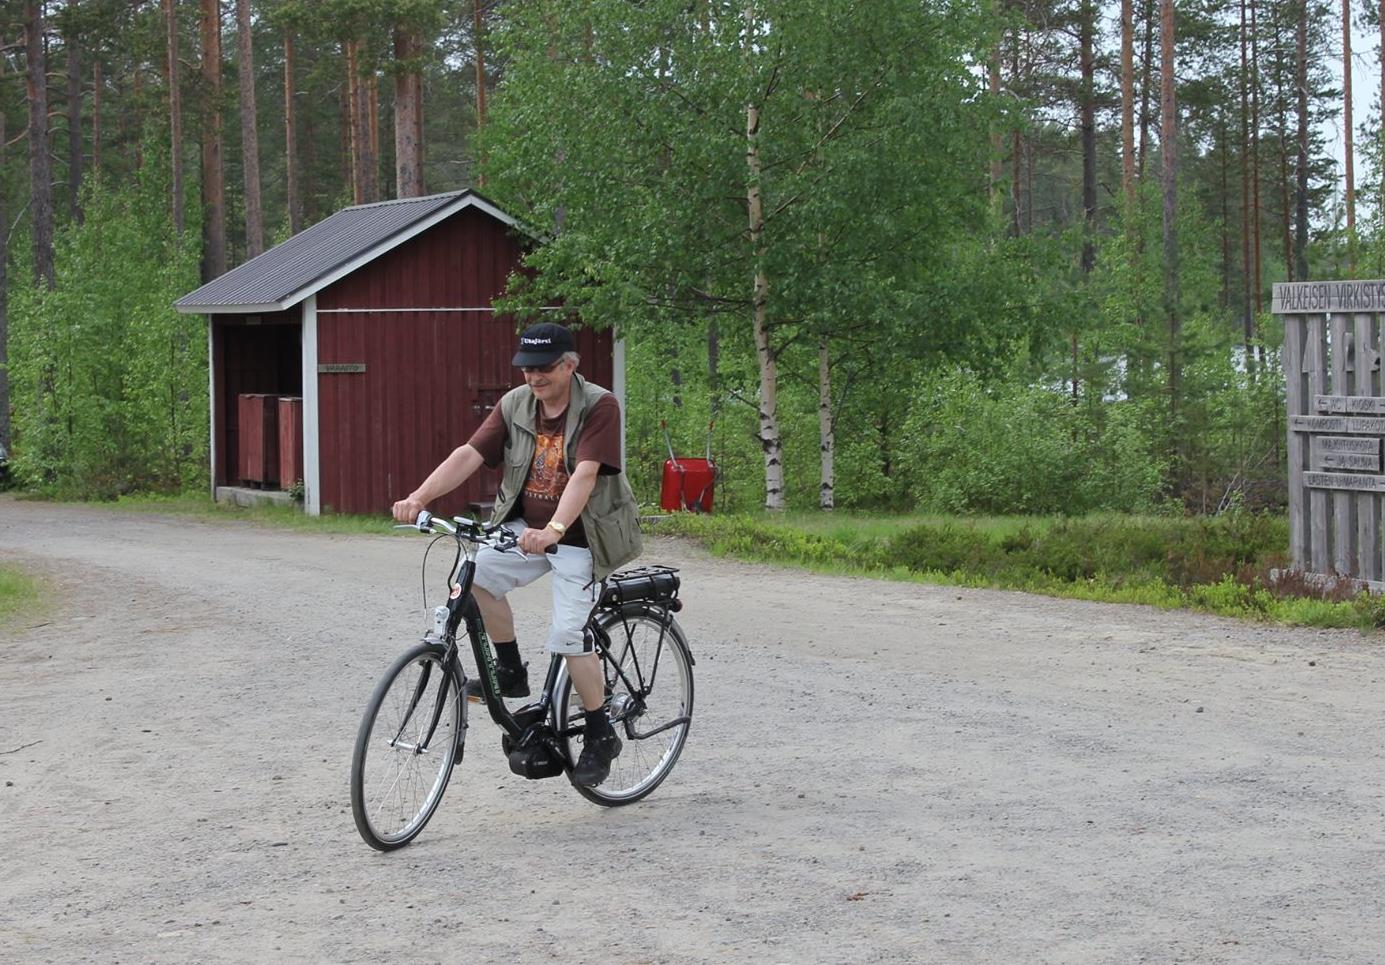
{"x":194,"y":309}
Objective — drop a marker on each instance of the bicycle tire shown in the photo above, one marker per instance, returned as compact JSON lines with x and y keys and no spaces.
{"x":393,"y":796}
{"x":640,"y":767}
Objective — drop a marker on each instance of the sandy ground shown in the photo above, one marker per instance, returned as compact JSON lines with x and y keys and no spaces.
{"x":877,"y":772}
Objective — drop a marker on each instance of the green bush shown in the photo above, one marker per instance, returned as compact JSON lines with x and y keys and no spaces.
{"x":1024,"y":449}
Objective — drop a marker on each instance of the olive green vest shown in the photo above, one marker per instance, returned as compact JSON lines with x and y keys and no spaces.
{"x":609,"y":518}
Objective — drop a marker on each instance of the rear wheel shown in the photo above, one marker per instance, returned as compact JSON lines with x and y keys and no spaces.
{"x":408,"y":743}
{"x":649,"y":698}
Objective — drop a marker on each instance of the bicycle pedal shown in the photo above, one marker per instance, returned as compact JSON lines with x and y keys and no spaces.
{"x":473,"y":690}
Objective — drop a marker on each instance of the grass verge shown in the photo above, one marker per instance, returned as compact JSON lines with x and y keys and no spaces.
{"x":1224,"y":565}
{"x":21,"y":595}
{"x":286,"y":517}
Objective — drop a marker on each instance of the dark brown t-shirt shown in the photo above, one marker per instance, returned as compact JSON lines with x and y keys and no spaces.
{"x":548,"y":475}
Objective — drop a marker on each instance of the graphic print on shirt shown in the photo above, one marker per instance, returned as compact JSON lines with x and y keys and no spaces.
{"x":548,"y":473}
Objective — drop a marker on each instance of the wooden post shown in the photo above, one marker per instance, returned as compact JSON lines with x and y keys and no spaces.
{"x":1367,"y":382}
{"x":1296,"y":391}
{"x":1317,"y":498}
{"x":1343,"y":503}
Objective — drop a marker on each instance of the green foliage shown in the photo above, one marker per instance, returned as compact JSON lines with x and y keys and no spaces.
{"x":276,"y":515}
{"x":1226,"y":564}
{"x":108,"y":382}
{"x":21,"y":594}
{"x":1021,"y":449}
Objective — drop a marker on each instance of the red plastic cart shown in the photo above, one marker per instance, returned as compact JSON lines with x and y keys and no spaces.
{"x":689,"y":483}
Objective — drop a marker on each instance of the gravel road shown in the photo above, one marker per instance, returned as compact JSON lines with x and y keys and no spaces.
{"x":877,"y":772}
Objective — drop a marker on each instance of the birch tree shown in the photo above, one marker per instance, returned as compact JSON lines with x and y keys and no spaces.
{"x":751,"y":165}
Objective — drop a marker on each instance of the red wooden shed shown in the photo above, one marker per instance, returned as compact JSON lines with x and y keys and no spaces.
{"x":380,"y":318}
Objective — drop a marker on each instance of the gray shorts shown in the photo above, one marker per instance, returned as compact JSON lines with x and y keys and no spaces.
{"x":574,"y":591}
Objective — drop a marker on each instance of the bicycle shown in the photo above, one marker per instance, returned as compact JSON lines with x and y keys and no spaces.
{"x":413,"y":732}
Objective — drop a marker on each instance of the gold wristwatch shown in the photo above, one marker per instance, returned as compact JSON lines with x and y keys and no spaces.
{"x":557,"y":527}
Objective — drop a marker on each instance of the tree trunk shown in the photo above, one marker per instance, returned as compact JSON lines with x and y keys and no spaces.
{"x":770,"y":441}
{"x":1255,"y":166}
{"x":997,"y":138}
{"x":1087,"y":123}
{"x":355,"y":124}
{"x":1016,"y":147}
{"x":346,"y":122}
{"x":1168,"y":151}
{"x":478,"y":26}
{"x":40,"y":169}
{"x":1128,"y":106}
{"x":1244,"y":81}
{"x":291,"y":162}
{"x":1146,"y":84}
{"x":1282,"y":125}
{"x":1347,"y":133}
{"x":372,"y":117}
{"x":1301,"y":181}
{"x":477,"y":37}
{"x":408,"y":182}
{"x":1225,"y":192}
{"x":74,"y":121}
{"x":5,"y":439}
{"x":213,"y":173}
{"x":713,"y":368}
{"x":307,"y":196}
{"x":136,"y":115}
{"x":96,"y":114}
{"x":249,"y":132}
{"x":827,"y":435}
{"x":175,"y":112}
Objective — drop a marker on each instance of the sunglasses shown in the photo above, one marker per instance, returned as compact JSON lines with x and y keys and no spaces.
{"x":542,"y":369}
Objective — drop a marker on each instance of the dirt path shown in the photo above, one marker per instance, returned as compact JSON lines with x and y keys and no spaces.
{"x":878,"y":772}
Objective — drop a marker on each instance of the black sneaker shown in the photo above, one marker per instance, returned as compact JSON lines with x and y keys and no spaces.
{"x":513,"y":683}
{"x":594,"y":766}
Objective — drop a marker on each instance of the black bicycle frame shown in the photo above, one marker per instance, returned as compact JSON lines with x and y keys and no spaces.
{"x":462,"y":610}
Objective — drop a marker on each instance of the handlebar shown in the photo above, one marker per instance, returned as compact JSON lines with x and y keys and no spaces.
{"x":463,"y":528}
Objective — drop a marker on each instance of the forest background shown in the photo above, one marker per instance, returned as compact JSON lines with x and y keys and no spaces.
{"x":947,"y":256}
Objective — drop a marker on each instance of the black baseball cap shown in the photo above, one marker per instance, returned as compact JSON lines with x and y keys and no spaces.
{"x":543,"y":344}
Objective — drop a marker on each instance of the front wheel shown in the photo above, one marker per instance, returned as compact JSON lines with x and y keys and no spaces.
{"x":409,"y":741}
{"x":649,"y":687}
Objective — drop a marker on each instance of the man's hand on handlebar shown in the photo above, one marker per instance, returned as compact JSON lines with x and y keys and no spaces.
{"x":407,"y":509}
{"x":537,"y":541}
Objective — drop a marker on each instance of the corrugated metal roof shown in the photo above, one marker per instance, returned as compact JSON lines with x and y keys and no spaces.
{"x":310,"y":260}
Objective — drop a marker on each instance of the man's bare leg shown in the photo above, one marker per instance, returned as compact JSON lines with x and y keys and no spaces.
{"x":495,"y":614}
{"x":585,"y":671}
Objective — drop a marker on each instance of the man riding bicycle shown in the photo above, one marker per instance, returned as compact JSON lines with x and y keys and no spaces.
{"x":558,"y":437}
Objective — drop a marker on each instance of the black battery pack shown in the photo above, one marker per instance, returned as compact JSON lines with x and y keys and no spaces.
{"x":535,"y":762}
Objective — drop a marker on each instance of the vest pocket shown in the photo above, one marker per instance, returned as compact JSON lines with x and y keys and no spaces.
{"x":613,"y":536}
